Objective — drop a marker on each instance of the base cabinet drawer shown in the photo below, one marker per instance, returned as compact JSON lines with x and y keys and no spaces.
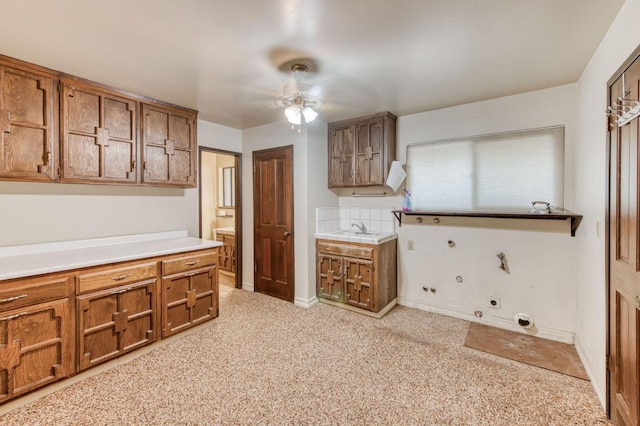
{"x":189,"y":299}
{"x":116,"y":275}
{"x":36,"y":347}
{"x":188,"y":263}
{"x":30,"y":291}
{"x":116,"y":321}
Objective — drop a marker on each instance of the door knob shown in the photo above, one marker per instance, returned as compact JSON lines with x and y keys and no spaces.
{"x":287,"y":233}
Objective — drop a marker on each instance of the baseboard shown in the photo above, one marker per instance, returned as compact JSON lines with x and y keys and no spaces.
{"x":599,"y":388}
{"x":376,"y":315}
{"x":247,"y":286}
{"x":543,"y":332}
{"x":305,"y":303}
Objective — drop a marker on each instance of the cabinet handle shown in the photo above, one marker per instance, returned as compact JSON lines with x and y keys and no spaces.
{"x":124,"y":290}
{"x":10,"y":317}
{"x":193,"y":262}
{"x":121,"y":277}
{"x":11,"y":299}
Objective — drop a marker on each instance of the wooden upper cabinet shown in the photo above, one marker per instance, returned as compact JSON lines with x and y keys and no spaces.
{"x":361,"y":150}
{"x":57,"y":127}
{"x":28,"y":146}
{"x":168,"y":146}
{"x":341,"y":165}
{"x":99,"y":136}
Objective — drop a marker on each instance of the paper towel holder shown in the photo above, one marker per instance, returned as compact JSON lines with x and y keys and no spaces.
{"x":396,"y":176}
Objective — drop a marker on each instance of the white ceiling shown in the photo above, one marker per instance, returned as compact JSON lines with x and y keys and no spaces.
{"x":221,"y":57}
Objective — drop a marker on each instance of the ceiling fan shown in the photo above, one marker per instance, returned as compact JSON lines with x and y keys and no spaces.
{"x":294,"y":87}
{"x":297,"y":99}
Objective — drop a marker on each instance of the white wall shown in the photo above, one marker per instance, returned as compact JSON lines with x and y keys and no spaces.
{"x":317,"y":195}
{"x":541,"y":256}
{"x":44,"y":212}
{"x":591,"y":182}
{"x":309,"y":191}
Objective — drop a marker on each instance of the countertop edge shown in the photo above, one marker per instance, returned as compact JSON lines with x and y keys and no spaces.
{"x":22,"y":265}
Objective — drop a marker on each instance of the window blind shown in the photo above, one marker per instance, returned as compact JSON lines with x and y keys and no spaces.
{"x":500,"y":172}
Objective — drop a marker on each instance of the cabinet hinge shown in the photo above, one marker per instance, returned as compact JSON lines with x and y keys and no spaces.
{"x":255,"y":268}
{"x":144,"y":165}
{"x":59,"y":171}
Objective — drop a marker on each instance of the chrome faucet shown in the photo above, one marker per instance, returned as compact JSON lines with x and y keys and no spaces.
{"x":361,"y":228}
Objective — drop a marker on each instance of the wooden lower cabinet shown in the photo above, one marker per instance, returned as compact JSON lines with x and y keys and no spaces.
{"x":355,"y":274}
{"x":55,"y":325}
{"x":36,"y":334}
{"x":227,"y":256}
{"x":116,"y":321}
{"x":188,"y":299}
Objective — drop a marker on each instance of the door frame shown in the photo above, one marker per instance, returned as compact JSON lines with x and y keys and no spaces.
{"x":293,"y":221}
{"x":607,"y":232}
{"x":238,"y":203}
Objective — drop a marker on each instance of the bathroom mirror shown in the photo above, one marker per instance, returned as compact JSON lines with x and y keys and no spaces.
{"x":227,"y":186}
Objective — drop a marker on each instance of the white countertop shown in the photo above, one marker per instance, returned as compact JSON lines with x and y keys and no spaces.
{"x":35,"y":259}
{"x":352,"y":237}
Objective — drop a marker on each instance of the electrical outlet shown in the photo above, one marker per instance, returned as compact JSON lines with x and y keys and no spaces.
{"x":493,"y":302}
{"x":410,"y":245}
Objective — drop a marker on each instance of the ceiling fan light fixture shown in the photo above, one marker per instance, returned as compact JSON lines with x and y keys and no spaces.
{"x":298,"y":102}
{"x":293,"y":114}
{"x":309,"y":114}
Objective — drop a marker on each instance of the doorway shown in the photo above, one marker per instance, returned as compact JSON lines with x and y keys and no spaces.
{"x":221,"y":210}
{"x":273,"y":222}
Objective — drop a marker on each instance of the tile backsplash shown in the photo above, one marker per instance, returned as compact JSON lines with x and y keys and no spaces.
{"x":376,"y":219}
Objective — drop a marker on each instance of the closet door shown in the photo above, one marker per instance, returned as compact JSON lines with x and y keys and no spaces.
{"x":624,"y":269}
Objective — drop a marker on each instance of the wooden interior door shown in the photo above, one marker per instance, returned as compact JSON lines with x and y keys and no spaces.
{"x":273,"y":222}
{"x":624,"y":261}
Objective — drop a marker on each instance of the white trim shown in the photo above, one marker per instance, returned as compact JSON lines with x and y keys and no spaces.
{"x":599,"y":388}
{"x":247,"y":286}
{"x":543,"y":332}
{"x":305,"y":303}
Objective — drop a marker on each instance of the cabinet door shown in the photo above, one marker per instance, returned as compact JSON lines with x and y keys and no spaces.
{"x":369,"y":152}
{"x":226,"y":258}
{"x":99,"y":136}
{"x":36,"y":347}
{"x":341,"y":160}
{"x":330,"y":280}
{"x":188,"y":299}
{"x":115,"y":321}
{"x":27,"y":143}
{"x":168,"y":146}
{"x":358,"y":277}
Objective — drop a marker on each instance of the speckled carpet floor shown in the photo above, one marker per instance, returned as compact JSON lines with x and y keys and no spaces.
{"x":267,"y":362}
